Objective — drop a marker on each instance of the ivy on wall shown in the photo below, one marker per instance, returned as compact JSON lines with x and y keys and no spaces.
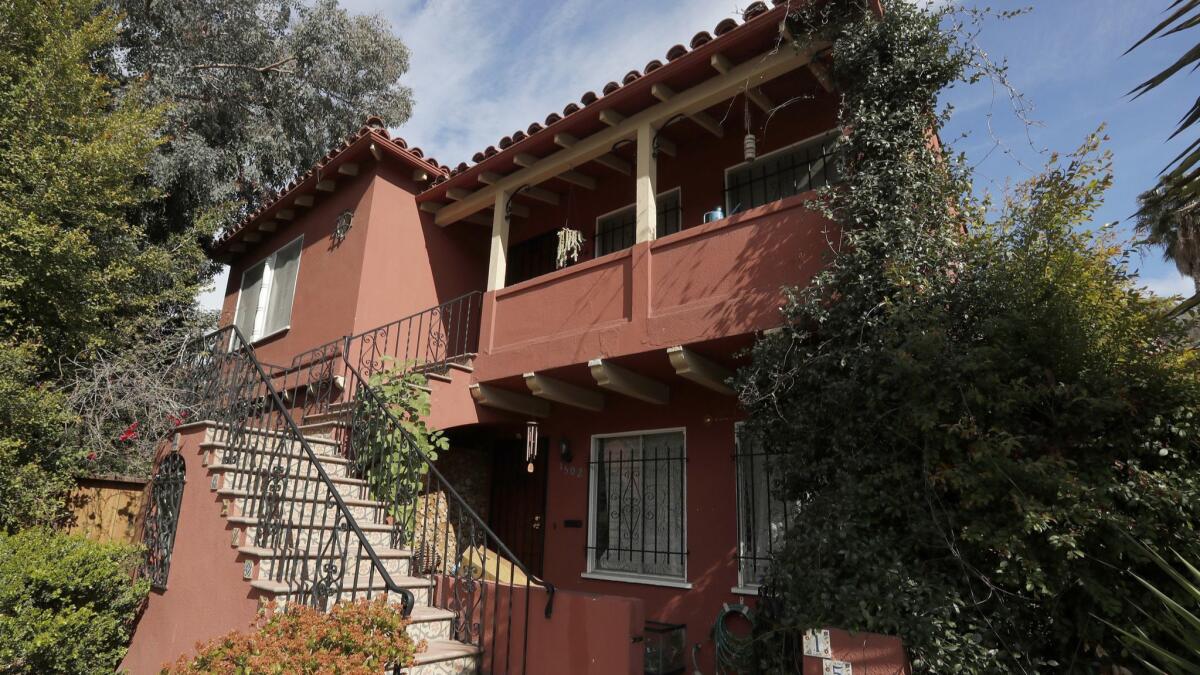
{"x":978,"y":411}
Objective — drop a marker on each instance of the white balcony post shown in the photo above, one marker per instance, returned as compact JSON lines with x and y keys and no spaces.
{"x":498,"y":258}
{"x":647,"y":182}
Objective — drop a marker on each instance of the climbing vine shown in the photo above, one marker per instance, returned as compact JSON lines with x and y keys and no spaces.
{"x":975,"y":405}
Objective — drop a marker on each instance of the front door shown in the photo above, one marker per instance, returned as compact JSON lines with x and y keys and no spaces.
{"x":518,"y":504}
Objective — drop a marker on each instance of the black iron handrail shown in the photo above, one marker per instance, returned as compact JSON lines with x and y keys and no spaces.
{"x":233,"y":385}
{"x":442,"y":547}
{"x":427,"y":340}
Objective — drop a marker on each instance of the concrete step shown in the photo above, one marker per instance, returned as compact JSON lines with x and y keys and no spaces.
{"x":265,"y":563}
{"x":282,"y":593}
{"x":445,"y":657}
{"x":304,"y":508}
{"x":231,"y":476}
{"x":245,"y":529}
{"x":339,"y":467}
{"x":430,"y":623}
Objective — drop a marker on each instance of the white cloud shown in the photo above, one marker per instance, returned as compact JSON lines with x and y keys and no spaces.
{"x":1169,"y":283}
{"x":214,"y":295}
{"x":483,"y":69}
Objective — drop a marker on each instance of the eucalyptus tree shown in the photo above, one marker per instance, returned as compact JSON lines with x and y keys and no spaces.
{"x":257,"y":90}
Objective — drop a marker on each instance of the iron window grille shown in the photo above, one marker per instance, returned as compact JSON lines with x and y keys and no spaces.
{"x":617,"y":231}
{"x":639,"y":490}
{"x":762,"y":513}
{"x":162,"y":518}
{"x":808,"y":165}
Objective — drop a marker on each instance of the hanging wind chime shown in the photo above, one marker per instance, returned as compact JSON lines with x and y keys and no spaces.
{"x":749,"y":143}
{"x":531,"y":444}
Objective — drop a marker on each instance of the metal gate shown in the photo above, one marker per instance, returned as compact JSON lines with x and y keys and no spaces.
{"x":162,"y":518}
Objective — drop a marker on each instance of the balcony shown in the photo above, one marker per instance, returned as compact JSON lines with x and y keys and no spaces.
{"x":710,"y":281}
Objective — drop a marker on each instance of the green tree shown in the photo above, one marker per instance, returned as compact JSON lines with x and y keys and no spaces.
{"x":76,"y":276}
{"x":1167,"y":216}
{"x":975,"y":411}
{"x":259,"y":91}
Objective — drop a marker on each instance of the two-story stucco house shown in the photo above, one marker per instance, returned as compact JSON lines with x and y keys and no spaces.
{"x":593,"y":430}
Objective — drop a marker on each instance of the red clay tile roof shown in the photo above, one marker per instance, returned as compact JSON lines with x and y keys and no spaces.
{"x":441,"y":174}
{"x":590,"y":98}
{"x":373,"y":127}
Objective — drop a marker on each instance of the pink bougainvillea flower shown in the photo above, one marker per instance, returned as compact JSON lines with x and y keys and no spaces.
{"x":91,"y":457}
{"x":129,"y":434}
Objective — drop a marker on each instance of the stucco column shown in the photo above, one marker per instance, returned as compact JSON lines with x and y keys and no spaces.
{"x":647,"y":182}
{"x":498,"y":258}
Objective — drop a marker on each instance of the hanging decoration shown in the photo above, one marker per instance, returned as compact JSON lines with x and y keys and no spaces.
{"x":570,"y":242}
{"x":531,"y":444}
{"x":749,"y":144}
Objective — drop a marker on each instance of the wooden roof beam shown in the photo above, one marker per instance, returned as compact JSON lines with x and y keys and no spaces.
{"x":458,"y":193}
{"x":268,"y":225}
{"x":613,"y":162}
{"x":540,"y":194}
{"x":690,"y":365}
{"x":326,"y":185}
{"x":566,"y":393}
{"x":509,"y":401}
{"x":664,"y":93}
{"x":431,"y":207}
{"x":612,"y":377}
{"x":750,"y":73}
{"x":348,"y":169}
{"x":722,"y":64}
{"x":285,"y":214}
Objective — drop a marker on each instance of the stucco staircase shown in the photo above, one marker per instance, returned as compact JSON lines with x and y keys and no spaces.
{"x":443,"y":655}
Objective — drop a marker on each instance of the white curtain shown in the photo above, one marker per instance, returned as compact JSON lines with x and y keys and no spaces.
{"x":284,"y":265}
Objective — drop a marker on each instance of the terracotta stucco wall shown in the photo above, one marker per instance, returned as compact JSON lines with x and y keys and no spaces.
{"x":205,"y":596}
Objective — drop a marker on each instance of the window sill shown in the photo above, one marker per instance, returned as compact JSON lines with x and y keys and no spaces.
{"x":269,"y":336}
{"x":636,"y":579}
{"x":745,"y":590}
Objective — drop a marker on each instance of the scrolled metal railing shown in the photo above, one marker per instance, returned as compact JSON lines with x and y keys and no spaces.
{"x":450,"y":542}
{"x":307,"y":533}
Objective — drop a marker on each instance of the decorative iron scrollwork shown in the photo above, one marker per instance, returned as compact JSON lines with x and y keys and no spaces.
{"x":162,"y":519}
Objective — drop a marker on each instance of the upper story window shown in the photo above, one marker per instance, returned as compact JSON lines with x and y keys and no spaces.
{"x":265,"y":300}
{"x":763,"y":515}
{"x":617,"y":231}
{"x":807,"y":165}
{"x":638,"y":498}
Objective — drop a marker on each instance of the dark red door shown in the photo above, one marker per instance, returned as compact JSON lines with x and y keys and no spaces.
{"x":518,"y":504}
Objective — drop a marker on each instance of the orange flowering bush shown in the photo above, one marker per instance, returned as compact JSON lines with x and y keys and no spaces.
{"x":354,"y":638}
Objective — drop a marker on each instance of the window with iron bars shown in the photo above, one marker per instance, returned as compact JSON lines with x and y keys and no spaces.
{"x":638,"y":500}
{"x":763,"y":515}
{"x":616,"y":231}
{"x":808,"y":165}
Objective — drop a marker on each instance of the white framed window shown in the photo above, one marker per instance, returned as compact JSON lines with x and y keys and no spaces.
{"x":264,"y":304}
{"x":637,"y":529}
{"x":763,"y":516}
{"x":617,"y":230}
{"x":800,"y":167}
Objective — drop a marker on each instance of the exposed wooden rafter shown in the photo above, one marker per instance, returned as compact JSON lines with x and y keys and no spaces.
{"x":285,"y":214}
{"x":722,"y":64}
{"x":690,"y":365}
{"x":576,"y":152}
{"x":268,"y":225}
{"x":252,"y":236}
{"x":664,"y":93}
{"x":613,"y":162}
{"x":509,"y":401}
{"x":420,"y":175}
{"x":566,"y":393}
{"x":348,"y":169}
{"x":326,"y":185}
{"x":611,"y":117}
{"x":575,"y":178}
{"x":490,"y":177}
{"x":615,"y":378}
{"x":376,"y":152}
{"x":431,"y":207}
{"x":541,"y":194}
{"x":304,"y":200}
{"x":458,"y":193}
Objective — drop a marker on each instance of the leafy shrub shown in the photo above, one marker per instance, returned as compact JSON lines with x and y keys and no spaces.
{"x":976,"y":405}
{"x":353,"y":638}
{"x":67,"y":604}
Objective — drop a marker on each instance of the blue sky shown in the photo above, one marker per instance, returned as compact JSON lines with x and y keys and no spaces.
{"x":484,"y":68}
